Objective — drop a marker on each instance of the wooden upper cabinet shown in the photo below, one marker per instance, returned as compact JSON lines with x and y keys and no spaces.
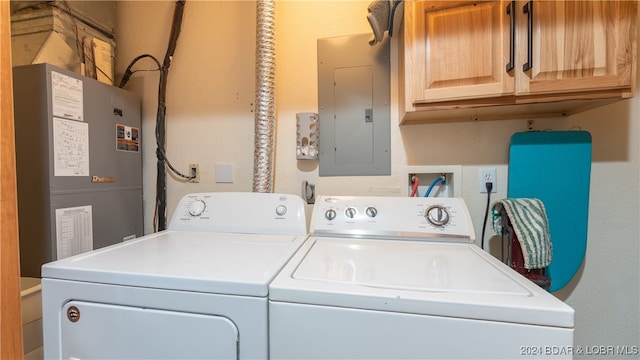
{"x":459,"y":51}
{"x":491,"y":56}
{"x":577,"y":46}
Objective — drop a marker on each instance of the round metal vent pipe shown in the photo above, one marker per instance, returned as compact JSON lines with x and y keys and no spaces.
{"x":265,"y":121}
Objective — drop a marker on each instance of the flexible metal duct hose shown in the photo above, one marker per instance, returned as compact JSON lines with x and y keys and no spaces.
{"x":265,"y":99}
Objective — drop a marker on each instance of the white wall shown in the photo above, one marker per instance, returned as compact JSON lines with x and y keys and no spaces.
{"x":210,"y":120}
{"x":210,"y":90}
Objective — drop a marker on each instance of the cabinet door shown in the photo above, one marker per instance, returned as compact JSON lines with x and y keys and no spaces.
{"x":577,"y":46}
{"x":457,"y":50}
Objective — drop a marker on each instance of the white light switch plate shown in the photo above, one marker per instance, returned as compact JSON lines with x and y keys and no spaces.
{"x":224,"y":173}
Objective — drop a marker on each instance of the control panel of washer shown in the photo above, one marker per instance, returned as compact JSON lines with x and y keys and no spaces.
{"x":240,"y":212}
{"x":396,"y":217}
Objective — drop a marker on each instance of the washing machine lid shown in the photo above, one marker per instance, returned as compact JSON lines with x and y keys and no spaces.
{"x":431,"y":278}
{"x":220,"y":263}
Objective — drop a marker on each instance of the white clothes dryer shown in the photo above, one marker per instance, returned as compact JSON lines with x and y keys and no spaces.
{"x":401,"y":278}
{"x":196,"y":290}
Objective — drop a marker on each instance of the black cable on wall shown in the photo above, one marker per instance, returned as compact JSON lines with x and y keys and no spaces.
{"x":160,"y":216}
{"x":161,"y":182}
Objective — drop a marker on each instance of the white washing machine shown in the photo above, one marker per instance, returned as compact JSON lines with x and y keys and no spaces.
{"x":196,"y":290}
{"x":401,"y":278}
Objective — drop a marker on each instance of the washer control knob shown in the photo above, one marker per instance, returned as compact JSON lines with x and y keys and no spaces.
{"x":281,"y":210}
{"x":437,"y":215}
{"x":197,"y":208}
{"x":371,"y":212}
{"x":330,"y":214}
{"x":350,"y":212}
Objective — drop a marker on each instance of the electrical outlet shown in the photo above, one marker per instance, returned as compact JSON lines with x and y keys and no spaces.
{"x":487,"y":175}
{"x":194,"y":173}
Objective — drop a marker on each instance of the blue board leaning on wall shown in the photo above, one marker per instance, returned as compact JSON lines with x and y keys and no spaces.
{"x":555,"y":167}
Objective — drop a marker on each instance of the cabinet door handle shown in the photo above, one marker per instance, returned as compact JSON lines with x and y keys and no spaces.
{"x":512,"y":19}
{"x":528,"y":9}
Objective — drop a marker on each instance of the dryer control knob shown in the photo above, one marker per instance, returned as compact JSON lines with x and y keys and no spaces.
{"x":281,"y":210}
{"x":197,"y":208}
{"x":371,"y":212}
{"x":330,"y":214}
{"x":437,"y":215}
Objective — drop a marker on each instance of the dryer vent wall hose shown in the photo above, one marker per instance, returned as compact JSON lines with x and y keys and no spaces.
{"x":265,"y":121}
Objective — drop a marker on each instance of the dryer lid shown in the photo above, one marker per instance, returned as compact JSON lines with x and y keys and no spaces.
{"x":219,"y":263}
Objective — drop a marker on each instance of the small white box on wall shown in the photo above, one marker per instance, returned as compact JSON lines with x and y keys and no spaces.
{"x":307,"y":136}
{"x":224,"y":173}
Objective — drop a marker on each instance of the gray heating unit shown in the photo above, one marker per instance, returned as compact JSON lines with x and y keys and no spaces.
{"x":79,"y":164}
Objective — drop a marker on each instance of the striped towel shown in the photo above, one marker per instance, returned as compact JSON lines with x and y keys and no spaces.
{"x":529,"y":221}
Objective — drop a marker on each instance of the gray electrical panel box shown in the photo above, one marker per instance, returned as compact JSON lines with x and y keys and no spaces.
{"x":78,"y":162}
{"x":353,"y":97}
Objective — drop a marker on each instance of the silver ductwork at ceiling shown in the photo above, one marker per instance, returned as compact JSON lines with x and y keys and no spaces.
{"x":265,"y":121}
{"x":74,"y":35}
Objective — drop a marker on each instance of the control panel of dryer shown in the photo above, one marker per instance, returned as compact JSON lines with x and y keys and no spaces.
{"x":445,"y":219}
{"x":240,"y":212}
